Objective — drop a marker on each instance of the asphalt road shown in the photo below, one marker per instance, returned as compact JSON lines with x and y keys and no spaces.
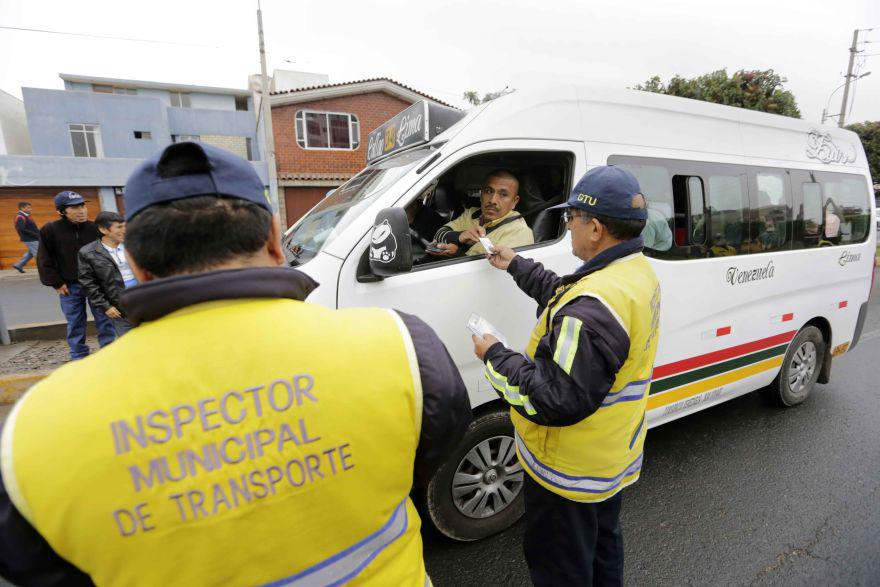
{"x":739,"y":494}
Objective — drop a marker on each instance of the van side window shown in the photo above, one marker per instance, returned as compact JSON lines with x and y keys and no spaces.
{"x":809,"y":227}
{"x":771,"y":209}
{"x":451,"y":204}
{"x":690,"y":213}
{"x":728,"y":205}
{"x":657,"y":189}
{"x":846,"y":204}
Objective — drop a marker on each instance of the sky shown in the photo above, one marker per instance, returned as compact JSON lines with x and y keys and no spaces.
{"x":446,"y":47}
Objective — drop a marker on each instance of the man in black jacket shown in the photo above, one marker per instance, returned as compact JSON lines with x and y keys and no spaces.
{"x":60,"y":241}
{"x":28,"y":233}
{"x":104,"y":272}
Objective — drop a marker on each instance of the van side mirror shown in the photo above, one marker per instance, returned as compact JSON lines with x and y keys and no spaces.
{"x":390,"y":249}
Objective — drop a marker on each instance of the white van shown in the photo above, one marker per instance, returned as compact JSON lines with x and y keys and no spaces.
{"x":760,"y":229}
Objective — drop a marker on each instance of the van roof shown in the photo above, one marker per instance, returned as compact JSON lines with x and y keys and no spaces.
{"x":695,"y":129}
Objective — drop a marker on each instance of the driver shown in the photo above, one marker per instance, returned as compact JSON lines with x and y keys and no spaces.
{"x":495,"y":217}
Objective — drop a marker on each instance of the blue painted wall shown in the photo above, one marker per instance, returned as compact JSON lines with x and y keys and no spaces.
{"x":49,"y":112}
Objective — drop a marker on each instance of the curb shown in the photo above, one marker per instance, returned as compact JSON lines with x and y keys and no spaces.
{"x":28,"y":276}
{"x":45,"y":331}
{"x":13,"y":386}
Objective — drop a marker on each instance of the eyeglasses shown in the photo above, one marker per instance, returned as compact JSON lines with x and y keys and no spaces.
{"x":568,"y":214}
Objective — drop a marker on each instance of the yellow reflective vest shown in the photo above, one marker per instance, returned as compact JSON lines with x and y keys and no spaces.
{"x":594,"y":459}
{"x":197,"y":452}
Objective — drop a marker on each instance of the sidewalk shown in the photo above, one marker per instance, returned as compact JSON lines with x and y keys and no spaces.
{"x":30,"y":272}
{"x":25,"y":363}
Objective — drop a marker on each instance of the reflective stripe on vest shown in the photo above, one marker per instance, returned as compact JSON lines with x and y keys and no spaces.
{"x":632,"y":392}
{"x":511,"y":392}
{"x":567,"y":345}
{"x":570,"y":482}
{"x":345,"y":565}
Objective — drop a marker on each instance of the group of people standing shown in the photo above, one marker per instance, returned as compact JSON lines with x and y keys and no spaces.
{"x":255,"y":439}
{"x":84,"y":262}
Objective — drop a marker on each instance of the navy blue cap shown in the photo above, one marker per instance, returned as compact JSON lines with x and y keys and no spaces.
{"x":68,"y":198}
{"x":208,"y":170}
{"x":607,"y":191}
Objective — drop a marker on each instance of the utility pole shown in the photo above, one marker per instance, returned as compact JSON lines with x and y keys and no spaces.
{"x":849,"y":75}
{"x":266,"y":110}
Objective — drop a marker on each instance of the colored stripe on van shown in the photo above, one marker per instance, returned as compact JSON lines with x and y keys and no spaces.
{"x":716,"y":369}
{"x":721,"y":355}
{"x":680,"y":380}
{"x":662,"y":399}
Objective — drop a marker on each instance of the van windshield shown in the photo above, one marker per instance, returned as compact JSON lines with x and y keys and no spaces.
{"x":335,"y":212}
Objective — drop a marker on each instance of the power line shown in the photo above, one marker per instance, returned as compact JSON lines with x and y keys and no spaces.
{"x":29,"y":30}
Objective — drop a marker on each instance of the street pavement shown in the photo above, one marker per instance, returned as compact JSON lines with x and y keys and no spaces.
{"x":739,"y":494}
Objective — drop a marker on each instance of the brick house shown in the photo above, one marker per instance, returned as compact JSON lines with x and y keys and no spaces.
{"x":321,"y":134}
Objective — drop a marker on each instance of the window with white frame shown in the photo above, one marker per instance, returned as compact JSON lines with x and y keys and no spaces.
{"x":85,"y":140}
{"x":327,"y":130}
{"x":180,"y":100}
{"x":185,"y":138}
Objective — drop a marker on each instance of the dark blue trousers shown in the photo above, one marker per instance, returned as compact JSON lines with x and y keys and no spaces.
{"x":571,"y":543}
{"x":74,"y":308}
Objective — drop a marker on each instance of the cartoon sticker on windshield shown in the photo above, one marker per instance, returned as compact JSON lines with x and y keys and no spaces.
{"x":383,"y":247}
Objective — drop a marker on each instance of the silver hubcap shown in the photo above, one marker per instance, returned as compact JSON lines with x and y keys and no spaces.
{"x":488,"y":478}
{"x":801,"y":368}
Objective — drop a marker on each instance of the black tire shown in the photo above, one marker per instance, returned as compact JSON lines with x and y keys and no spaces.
{"x":494,"y":431}
{"x":800,"y":369}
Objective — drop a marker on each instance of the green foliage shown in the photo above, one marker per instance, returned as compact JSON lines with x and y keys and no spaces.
{"x":754,"y":90}
{"x":475,"y":100}
{"x":869,"y":133}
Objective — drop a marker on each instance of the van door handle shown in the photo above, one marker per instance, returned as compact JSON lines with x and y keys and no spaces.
{"x":369,"y":278}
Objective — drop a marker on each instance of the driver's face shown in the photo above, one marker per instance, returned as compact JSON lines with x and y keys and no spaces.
{"x":498,"y":197}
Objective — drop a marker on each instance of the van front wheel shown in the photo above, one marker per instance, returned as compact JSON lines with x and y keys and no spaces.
{"x":478,"y":491}
{"x":800,"y":369}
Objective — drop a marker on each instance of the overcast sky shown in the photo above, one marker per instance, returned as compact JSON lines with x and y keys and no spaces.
{"x":445,"y":47}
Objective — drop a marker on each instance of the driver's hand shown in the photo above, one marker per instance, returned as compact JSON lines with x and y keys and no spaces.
{"x":449,"y":250}
{"x":471,"y":235}
{"x":501,"y":256}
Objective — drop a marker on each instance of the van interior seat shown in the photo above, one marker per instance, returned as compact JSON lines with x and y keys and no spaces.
{"x":534,"y":207}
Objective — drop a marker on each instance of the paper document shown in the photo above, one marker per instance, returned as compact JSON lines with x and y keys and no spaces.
{"x":480,"y":326}
{"x":487,"y":244}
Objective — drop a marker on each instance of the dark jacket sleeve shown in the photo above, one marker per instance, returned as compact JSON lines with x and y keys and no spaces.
{"x":562,"y":391}
{"x":49,"y":272}
{"x":90,"y":281}
{"x":25,"y":556}
{"x":446,"y":235}
{"x":20,"y":226}
{"x":446,"y":409}
{"x":536,"y":282}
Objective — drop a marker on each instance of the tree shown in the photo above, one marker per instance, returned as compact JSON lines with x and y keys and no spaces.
{"x":869,"y":133}
{"x":754,"y":90}
{"x":475,"y":100}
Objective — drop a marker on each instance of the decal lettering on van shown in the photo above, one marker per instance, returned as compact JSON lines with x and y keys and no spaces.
{"x":736,"y":275}
{"x":847,"y":257}
{"x":586,"y":199}
{"x":821,"y":146}
{"x":383,"y":245}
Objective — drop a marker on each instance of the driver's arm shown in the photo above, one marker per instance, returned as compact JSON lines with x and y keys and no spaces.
{"x":450,"y":232}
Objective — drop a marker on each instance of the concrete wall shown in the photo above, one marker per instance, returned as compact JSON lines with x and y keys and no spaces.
{"x":49,"y":112}
{"x":14,"y":137}
{"x":194,"y":121}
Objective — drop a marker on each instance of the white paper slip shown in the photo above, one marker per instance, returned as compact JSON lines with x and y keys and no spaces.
{"x":480,"y":326}
{"x":487,"y":244}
